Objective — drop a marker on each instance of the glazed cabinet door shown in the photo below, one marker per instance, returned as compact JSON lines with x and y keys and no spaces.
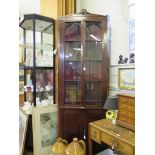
{"x":83,"y":63}
{"x":72,"y":63}
{"x":93,"y":63}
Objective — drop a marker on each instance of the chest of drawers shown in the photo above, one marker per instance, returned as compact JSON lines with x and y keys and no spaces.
{"x":126,"y":111}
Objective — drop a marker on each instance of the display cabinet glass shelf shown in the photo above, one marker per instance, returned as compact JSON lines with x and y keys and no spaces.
{"x":38,"y":45}
{"x":83,"y":71}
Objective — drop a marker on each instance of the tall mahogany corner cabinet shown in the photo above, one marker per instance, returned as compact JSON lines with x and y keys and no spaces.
{"x":82,"y":73}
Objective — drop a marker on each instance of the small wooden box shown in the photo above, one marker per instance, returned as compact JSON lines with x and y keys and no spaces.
{"x":126,"y":111}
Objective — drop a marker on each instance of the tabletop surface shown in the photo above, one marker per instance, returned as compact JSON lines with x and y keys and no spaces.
{"x":115,"y":130}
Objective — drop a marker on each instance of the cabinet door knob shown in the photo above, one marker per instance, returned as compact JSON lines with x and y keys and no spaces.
{"x":124,"y":107}
{"x":123,"y":113}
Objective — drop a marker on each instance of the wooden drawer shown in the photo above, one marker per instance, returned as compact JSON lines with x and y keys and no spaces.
{"x":126,"y":107}
{"x":95,"y":134}
{"x":120,"y":145}
{"x":127,"y":113}
{"x":126,"y":119}
{"x":126,"y":100}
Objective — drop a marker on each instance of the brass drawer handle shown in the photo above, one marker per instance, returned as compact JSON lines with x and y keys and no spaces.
{"x":123,"y":113}
{"x":124,"y":107}
{"x":123,"y":119}
{"x":124,"y":100}
{"x":113,"y":144}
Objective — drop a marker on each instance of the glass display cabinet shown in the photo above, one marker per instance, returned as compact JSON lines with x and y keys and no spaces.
{"x":38,"y":45}
{"x":83,"y":72}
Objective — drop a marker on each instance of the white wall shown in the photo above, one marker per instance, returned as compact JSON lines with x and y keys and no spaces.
{"x":118,"y":12}
{"x":29,"y":7}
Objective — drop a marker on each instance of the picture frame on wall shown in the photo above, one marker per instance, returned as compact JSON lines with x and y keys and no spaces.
{"x":126,"y":77}
{"x":23,"y":123}
{"x":44,"y":120}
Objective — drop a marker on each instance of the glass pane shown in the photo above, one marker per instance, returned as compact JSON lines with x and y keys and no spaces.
{"x":87,"y":70}
{"x":29,"y":78}
{"x":94,"y":31}
{"x":132,"y":27}
{"x":44,"y":58}
{"x":28,"y":87}
{"x":72,"y":31}
{"x":99,"y":71}
{"x":72,"y":91}
{"x":29,"y":97}
{"x":40,"y":25}
{"x":44,"y":86}
{"x":93,"y":51}
{"x":44,"y":49}
{"x":93,"y":71}
{"x":44,"y":80}
{"x":43,"y":26}
{"x":28,"y":62}
{"x":93,"y":90}
{"x":131,"y":42}
{"x":72,"y":71}
{"x":72,"y":51}
{"x":43,"y":45}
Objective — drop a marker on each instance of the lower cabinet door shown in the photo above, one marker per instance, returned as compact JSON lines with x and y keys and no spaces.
{"x":74,"y":122}
{"x":70,"y":124}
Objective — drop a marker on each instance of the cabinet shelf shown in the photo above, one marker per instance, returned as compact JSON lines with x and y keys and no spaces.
{"x":38,"y":46}
{"x":72,"y":61}
{"x":44,"y":91}
{"x":72,"y":81}
{"x":93,"y":41}
{"x":30,"y":68}
{"x":72,"y":41}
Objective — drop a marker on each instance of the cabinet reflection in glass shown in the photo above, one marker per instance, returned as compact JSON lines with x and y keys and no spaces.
{"x":94,"y":31}
{"x":72,"y":31}
{"x":73,"y":51}
{"x":72,"y":70}
{"x":93,"y":91}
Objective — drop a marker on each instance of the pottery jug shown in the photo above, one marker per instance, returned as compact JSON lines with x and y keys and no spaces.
{"x":59,"y":146}
{"x":77,"y":147}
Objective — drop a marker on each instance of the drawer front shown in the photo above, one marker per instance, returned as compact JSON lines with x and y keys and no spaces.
{"x":120,"y":145}
{"x":123,"y":106}
{"x":126,"y":113}
{"x":95,"y":134}
{"x":126,"y":100}
{"x":126,"y":119}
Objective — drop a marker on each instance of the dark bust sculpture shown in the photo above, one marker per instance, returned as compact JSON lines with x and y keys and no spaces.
{"x":120,"y":61}
{"x":132,"y":58}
